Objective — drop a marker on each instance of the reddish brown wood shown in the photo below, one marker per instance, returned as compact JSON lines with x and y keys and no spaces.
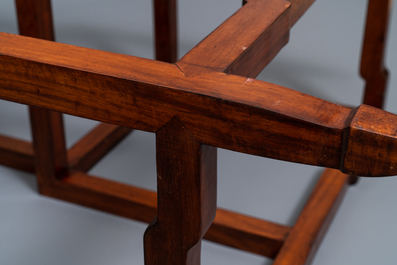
{"x":50,"y":154}
{"x":247,"y":41}
{"x":35,"y":20}
{"x":237,"y":113}
{"x":191,"y":105}
{"x":305,"y":236}
{"x":186,"y":181}
{"x":298,"y":8}
{"x":106,"y":195}
{"x":16,"y":153}
{"x":229,"y":228}
{"x":372,"y":59}
{"x":247,"y":233}
{"x":366,"y":120}
{"x":84,"y":154}
{"x":165,"y":24}
{"x":244,"y":44}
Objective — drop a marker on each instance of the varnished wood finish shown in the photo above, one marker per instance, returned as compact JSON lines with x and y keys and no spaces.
{"x":229,"y":228}
{"x":165,"y":27}
{"x":16,"y":153}
{"x":106,"y":195}
{"x":200,"y":103}
{"x":366,"y":120}
{"x":298,"y":8}
{"x":372,"y":59}
{"x":259,"y":39}
{"x":84,"y":154}
{"x":247,"y":233}
{"x":50,"y":154}
{"x":35,"y":20}
{"x":247,"y":41}
{"x":239,"y":114}
{"x":304,"y":238}
{"x":186,"y":180}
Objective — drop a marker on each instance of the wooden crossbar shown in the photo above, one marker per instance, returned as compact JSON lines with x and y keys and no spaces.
{"x":207,"y":99}
{"x":84,"y":82}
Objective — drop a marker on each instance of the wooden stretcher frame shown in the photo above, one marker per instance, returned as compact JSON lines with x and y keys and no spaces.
{"x":208,"y":99}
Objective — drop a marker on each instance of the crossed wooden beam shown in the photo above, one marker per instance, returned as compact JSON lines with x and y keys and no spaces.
{"x":207,"y":99}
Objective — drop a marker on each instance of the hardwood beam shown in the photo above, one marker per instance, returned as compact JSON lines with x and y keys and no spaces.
{"x":165,"y":29}
{"x":374,"y":45}
{"x":298,"y":8}
{"x":229,"y":228}
{"x":35,"y":20}
{"x":247,"y":41}
{"x":247,"y":233}
{"x":306,"y":235}
{"x":186,"y":195}
{"x":17,"y":154}
{"x":85,"y":153}
{"x":227,"y":111}
{"x":244,"y":44}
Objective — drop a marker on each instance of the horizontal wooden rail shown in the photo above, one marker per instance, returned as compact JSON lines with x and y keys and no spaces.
{"x":16,"y":153}
{"x":227,"y":111}
{"x":247,"y":41}
{"x":85,"y":153}
{"x":255,"y":235}
{"x":244,"y":44}
{"x":306,"y":235}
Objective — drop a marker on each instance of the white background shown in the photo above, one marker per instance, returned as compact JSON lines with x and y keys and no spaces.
{"x":321,"y":59}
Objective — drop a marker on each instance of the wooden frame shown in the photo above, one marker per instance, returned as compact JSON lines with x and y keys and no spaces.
{"x":207,"y":99}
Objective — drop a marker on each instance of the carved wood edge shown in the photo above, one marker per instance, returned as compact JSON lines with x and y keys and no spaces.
{"x":236,"y":104}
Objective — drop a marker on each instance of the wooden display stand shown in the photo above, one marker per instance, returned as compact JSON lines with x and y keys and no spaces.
{"x":207,"y":99}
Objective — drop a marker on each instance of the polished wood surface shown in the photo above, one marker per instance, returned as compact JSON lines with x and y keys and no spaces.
{"x":207,"y":99}
{"x":304,"y":238}
{"x":265,"y":119}
{"x":35,"y":20}
{"x":85,"y":153}
{"x":165,"y":25}
{"x":186,"y":180}
{"x":374,"y":45}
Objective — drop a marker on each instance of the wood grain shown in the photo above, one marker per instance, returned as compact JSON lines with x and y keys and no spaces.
{"x":374,"y":45}
{"x":227,"y":111}
{"x":90,"y":149}
{"x":247,"y":233}
{"x":165,"y":26}
{"x":35,"y":20}
{"x":16,"y":153}
{"x":244,"y":44}
{"x":186,"y":180}
{"x":305,"y":236}
{"x":374,"y":154}
{"x":298,"y":8}
{"x":233,"y":229}
{"x":247,"y":41}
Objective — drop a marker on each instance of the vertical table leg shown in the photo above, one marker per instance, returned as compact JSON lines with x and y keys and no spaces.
{"x":186,"y":180}
{"x":35,"y":20}
{"x":165,"y":26}
{"x":372,"y":58}
{"x":49,"y":146}
{"x":372,"y":67}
